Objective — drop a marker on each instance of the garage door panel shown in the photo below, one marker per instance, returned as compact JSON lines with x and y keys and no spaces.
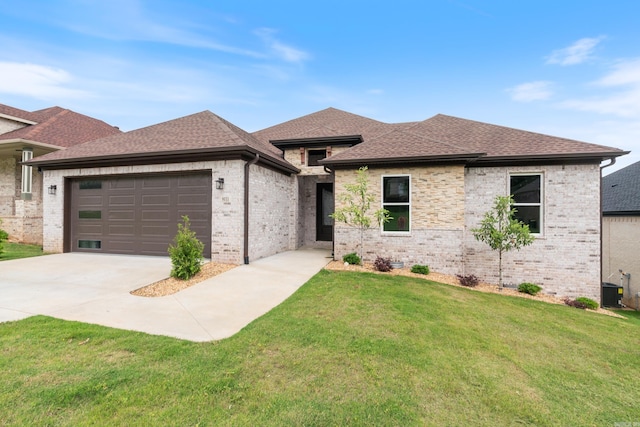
{"x":140,"y":214}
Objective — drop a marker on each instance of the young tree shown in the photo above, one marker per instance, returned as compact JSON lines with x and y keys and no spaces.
{"x":356,"y":204}
{"x":502,"y":231}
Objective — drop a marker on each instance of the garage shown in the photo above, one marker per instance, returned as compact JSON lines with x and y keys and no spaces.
{"x":137,"y":214}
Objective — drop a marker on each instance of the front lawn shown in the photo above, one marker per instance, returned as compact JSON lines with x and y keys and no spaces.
{"x":346,"y":349}
{"x":19,"y":250}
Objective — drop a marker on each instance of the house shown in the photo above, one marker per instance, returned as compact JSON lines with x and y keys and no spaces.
{"x":621,"y":231}
{"x":253,"y":195}
{"x":24,"y":135}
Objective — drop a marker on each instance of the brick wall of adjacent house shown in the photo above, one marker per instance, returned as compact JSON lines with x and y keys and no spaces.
{"x":437,"y":219}
{"x":272,"y":212}
{"x":22,"y":219}
{"x":7,"y":125}
{"x":565,"y":258}
{"x":227,"y":204}
{"x":620,"y":238}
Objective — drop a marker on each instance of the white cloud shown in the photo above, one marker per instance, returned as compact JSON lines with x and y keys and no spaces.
{"x":577,"y":53}
{"x":623,"y":103}
{"x":281,"y":50}
{"x":532,"y":91}
{"x":37,"y":81}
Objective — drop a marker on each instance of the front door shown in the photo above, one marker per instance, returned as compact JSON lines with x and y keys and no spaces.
{"x":324,"y":208}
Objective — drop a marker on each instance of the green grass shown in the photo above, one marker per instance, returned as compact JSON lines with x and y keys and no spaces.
{"x":19,"y":250}
{"x":346,"y":349}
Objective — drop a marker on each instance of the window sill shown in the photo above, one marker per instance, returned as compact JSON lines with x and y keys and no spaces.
{"x":396,"y":233}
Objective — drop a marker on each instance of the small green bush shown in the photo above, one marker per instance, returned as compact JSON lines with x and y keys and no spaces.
{"x":352,"y":258}
{"x":382,"y":264}
{"x":3,"y":236}
{"x":529,"y":288}
{"x":420,"y":269}
{"x":591,"y":304}
{"x":581,"y":302}
{"x":470,"y":280}
{"x":186,"y":252}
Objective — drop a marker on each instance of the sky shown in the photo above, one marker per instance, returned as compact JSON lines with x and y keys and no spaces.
{"x":568,"y":68}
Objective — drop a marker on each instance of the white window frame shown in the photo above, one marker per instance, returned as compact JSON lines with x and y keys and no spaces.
{"x":540,"y":204}
{"x":27,"y":171}
{"x":383,"y":204}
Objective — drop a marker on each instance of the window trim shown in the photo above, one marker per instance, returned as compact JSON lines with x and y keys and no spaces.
{"x":27,"y":172}
{"x":383,"y":204}
{"x":540,"y":204}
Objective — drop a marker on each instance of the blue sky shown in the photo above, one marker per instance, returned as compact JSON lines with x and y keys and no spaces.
{"x":565,"y":68}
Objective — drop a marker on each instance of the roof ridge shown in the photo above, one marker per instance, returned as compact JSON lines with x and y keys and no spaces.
{"x":37,"y":129}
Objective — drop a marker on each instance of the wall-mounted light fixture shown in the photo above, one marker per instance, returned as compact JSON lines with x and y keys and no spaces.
{"x":219,"y":183}
{"x":53,"y":189}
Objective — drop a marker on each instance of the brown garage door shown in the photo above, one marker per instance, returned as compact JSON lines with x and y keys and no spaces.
{"x":138,"y":214}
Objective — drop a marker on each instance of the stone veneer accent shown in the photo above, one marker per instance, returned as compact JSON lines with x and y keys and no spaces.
{"x":437,"y":219}
{"x":227,"y":205}
{"x":565,"y":258}
{"x":8,"y":125}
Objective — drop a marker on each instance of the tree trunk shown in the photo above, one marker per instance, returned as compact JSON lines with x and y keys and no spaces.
{"x":500,"y":268}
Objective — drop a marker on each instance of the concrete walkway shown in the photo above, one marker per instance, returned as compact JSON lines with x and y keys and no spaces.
{"x":95,"y":289}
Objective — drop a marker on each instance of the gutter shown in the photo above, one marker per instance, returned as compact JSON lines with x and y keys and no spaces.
{"x":246,"y":206}
{"x":611,"y":163}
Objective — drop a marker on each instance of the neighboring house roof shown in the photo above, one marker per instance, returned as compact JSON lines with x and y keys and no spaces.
{"x":16,"y":113}
{"x":62,"y":128}
{"x":621,"y":191}
{"x":194,"y":137}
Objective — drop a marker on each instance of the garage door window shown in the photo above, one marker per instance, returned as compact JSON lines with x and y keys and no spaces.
{"x":90,"y":214}
{"x":89,"y":244}
{"x":91,"y":184}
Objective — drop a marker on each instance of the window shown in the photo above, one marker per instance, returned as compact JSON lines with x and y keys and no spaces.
{"x":89,"y":244}
{"x":527,"y":197}
{"x":396,"y":198}
{"x":314,"y":156}
{"x":90,"y":184}
{"x":90,"y":214}
{"x":27,"y":177}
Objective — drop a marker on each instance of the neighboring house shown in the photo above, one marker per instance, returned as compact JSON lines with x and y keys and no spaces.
{"x":621,"y":232}
{"x":253,"y":195}
{"x":24,"y":135}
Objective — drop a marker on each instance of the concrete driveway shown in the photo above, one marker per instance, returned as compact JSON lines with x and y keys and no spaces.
{"x":95,"y":289}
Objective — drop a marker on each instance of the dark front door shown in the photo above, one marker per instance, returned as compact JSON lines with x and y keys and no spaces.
{"x":324,"y":208}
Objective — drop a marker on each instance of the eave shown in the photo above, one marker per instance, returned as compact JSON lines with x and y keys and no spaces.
{"x":176,"y":156}
{"x":348,"y":140}
{"x":401,"y":161}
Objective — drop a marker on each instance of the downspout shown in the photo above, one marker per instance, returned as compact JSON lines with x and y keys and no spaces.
{"x":612,"y":162}
{"x":246,"y":206}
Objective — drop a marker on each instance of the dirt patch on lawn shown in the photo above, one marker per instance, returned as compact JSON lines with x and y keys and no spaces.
{"x":453,"y":280}
{"x":171,"y":285}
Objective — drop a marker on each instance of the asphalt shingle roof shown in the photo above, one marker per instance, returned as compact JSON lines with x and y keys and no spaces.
{"x":197,"y":132}
{"x":57,"y":126}
{"x":621,"y":190}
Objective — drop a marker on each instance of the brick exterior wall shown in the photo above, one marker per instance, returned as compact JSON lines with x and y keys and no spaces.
{"x":292,"y":155}
{"x":620,"y":237}
{"x":307,"y":185}
{"x":272,"y":207}
{"x":565,"y":258}
{"x":273,"y":202}
{"x":437,"y":219}
{"x":448,"y":201}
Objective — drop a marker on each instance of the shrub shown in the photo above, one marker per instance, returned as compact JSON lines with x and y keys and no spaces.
{"x":186,"y":252}
{"x":3,"y":236}
{"x":352,"y":258}
{"x":529,"y":288}
{"x":470,"y":280}
{"x":581,"y":302}
{"x":420,"y":269}
{"x":382,"y":264}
